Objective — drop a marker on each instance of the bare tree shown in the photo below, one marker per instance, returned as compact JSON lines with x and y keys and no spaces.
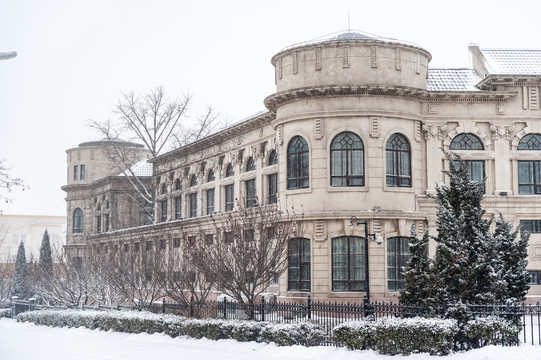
{"x":249,"y":252}
{"x":7,"y":182}
{"x":184,"y":283}
{"x":138,"y":273}
{"x":6,"y":274}
{"x":158,"y":122}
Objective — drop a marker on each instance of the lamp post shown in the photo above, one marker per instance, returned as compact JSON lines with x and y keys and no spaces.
{"x":379,"y":240}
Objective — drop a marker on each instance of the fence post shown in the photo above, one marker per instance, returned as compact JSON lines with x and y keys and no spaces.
{"x":163,"y":306}
{"x":191,"y":307}
{"x":225,"y":308}
{"x":309,"y":307}
{"x":262,"y":308}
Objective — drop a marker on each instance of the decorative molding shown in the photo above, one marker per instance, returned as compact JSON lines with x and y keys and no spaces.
{"x":417,"y":63}
{"x":279,"y":134}
{"x":373,"y":56}
{"x":320,"y":230}
{"x":277,"y":99}
{"x":433,"y":108}
{"x":533,"y":97}
{"x":318,"y":58}
{"x":279,"y":68}
{"x":417,"y":131}
{"x":501,"y":131}
{"x":434,"y":131}
{"x":345,"y":56}
{"x":500,"y":109}
{"x":398,"y":59}
{"x":295,"y":63}
{"x":318,"y":128}
{"x":377,"y":226}
{"x":374,"y":127}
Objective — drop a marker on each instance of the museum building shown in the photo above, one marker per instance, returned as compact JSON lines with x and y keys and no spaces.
{"x":351,"y":139}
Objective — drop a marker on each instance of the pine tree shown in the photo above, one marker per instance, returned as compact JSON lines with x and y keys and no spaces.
{"x":45,"y":256}
{"x":462,"y":268}
{"x":514,"y":280}
{"x":417,"y":274}
{"x":19,"y":283}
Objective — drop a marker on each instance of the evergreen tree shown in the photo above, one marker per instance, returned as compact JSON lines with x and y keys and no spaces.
{"x":45,"y":256}
{"x":417,"y":273}
{"x":514,"y":280}
{"x":463,"y":270}
{"x":19,"y":283}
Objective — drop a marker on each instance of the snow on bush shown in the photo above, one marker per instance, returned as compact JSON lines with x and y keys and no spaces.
{"x":306,"y":334}
{"x":399,"y":336}
{"x":5,"y":313}
{"x":491,"y":330}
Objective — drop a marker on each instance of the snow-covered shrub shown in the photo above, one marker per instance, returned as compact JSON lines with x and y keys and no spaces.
{"x":399,"y":336}
{"x":490,"y":330}
{"x":5,"y":313}
{"x":138,"y":322}
{"x":306,"y":333}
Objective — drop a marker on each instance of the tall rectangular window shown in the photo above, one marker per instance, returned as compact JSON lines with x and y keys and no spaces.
{"x":210,"y":202}
{"x":83,"y":170}
{"x":106,"y":222}
{"x":298,"y":270}
{"x":251,"y":200}
{"x":193,"y":205}
{"x":398,"y":256}
{"x":164,"y":210}
{"x":98,"y":224}
{"x":348,"y":264}
{"x":229,"y":197}
{"x":178,"y":208}
{"x":75,"y":172}
{"x":273,"y":188}
{"x":529,"y":177}
{"x":531,"y":226}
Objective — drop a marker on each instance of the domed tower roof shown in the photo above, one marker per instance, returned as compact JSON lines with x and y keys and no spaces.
{"x":345,"y":62}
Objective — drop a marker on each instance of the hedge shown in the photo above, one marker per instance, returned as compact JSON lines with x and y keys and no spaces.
{"x":307,"y":334}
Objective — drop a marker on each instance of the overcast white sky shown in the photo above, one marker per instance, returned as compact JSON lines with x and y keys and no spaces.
{"x":76,"y":57}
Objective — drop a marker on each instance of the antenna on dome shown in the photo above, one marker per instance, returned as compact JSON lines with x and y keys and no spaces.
{"x":349,"y":26}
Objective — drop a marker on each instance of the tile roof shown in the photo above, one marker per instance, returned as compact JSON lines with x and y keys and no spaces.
{"x":142,"y":168}
{"x":452,"y":80}
{"x":513,"y":62}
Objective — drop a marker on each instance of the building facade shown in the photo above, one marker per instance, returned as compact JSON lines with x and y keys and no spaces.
{"x":352,"y":140}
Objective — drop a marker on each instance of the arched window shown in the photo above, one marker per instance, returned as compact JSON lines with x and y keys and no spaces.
{"x":347,"y":160}
{"x":210,"y":176}
{"x":273,"y":158}
{"x":530,"y":142}
{"x":78,"y":221}
{"x":250,"y":165}
{"x":178,"y":184}
{"x":466,"y":141}
{"x":297,"y":163}
{"x":529,"y":171}
{"x":398,"y":161}
{"x":229,"y":171}
{"x":398,"y":256}
{"x":193,"y":180}
{"x":298,"y":270}
{"x":348,"y":264}
{"x":164,"y":189}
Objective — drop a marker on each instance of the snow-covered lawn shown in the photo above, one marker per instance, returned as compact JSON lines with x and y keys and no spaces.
{"x":22,"y":341}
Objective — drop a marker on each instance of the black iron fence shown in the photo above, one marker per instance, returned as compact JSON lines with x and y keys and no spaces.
{"x":327,"y":314}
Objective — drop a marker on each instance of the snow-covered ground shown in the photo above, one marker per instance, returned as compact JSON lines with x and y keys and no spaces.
{"x":22,"y":341}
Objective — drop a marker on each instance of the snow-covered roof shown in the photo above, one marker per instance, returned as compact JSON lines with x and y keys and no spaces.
{"x":512,"y":61}
{"x":452,"y":80}
{"x":350,"y":35}
{"x":141,"y":168}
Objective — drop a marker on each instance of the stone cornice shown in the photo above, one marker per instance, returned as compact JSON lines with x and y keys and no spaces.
{"x":509,"y":80}
{"x":229,"y":133}
{"x":275,"y":100}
